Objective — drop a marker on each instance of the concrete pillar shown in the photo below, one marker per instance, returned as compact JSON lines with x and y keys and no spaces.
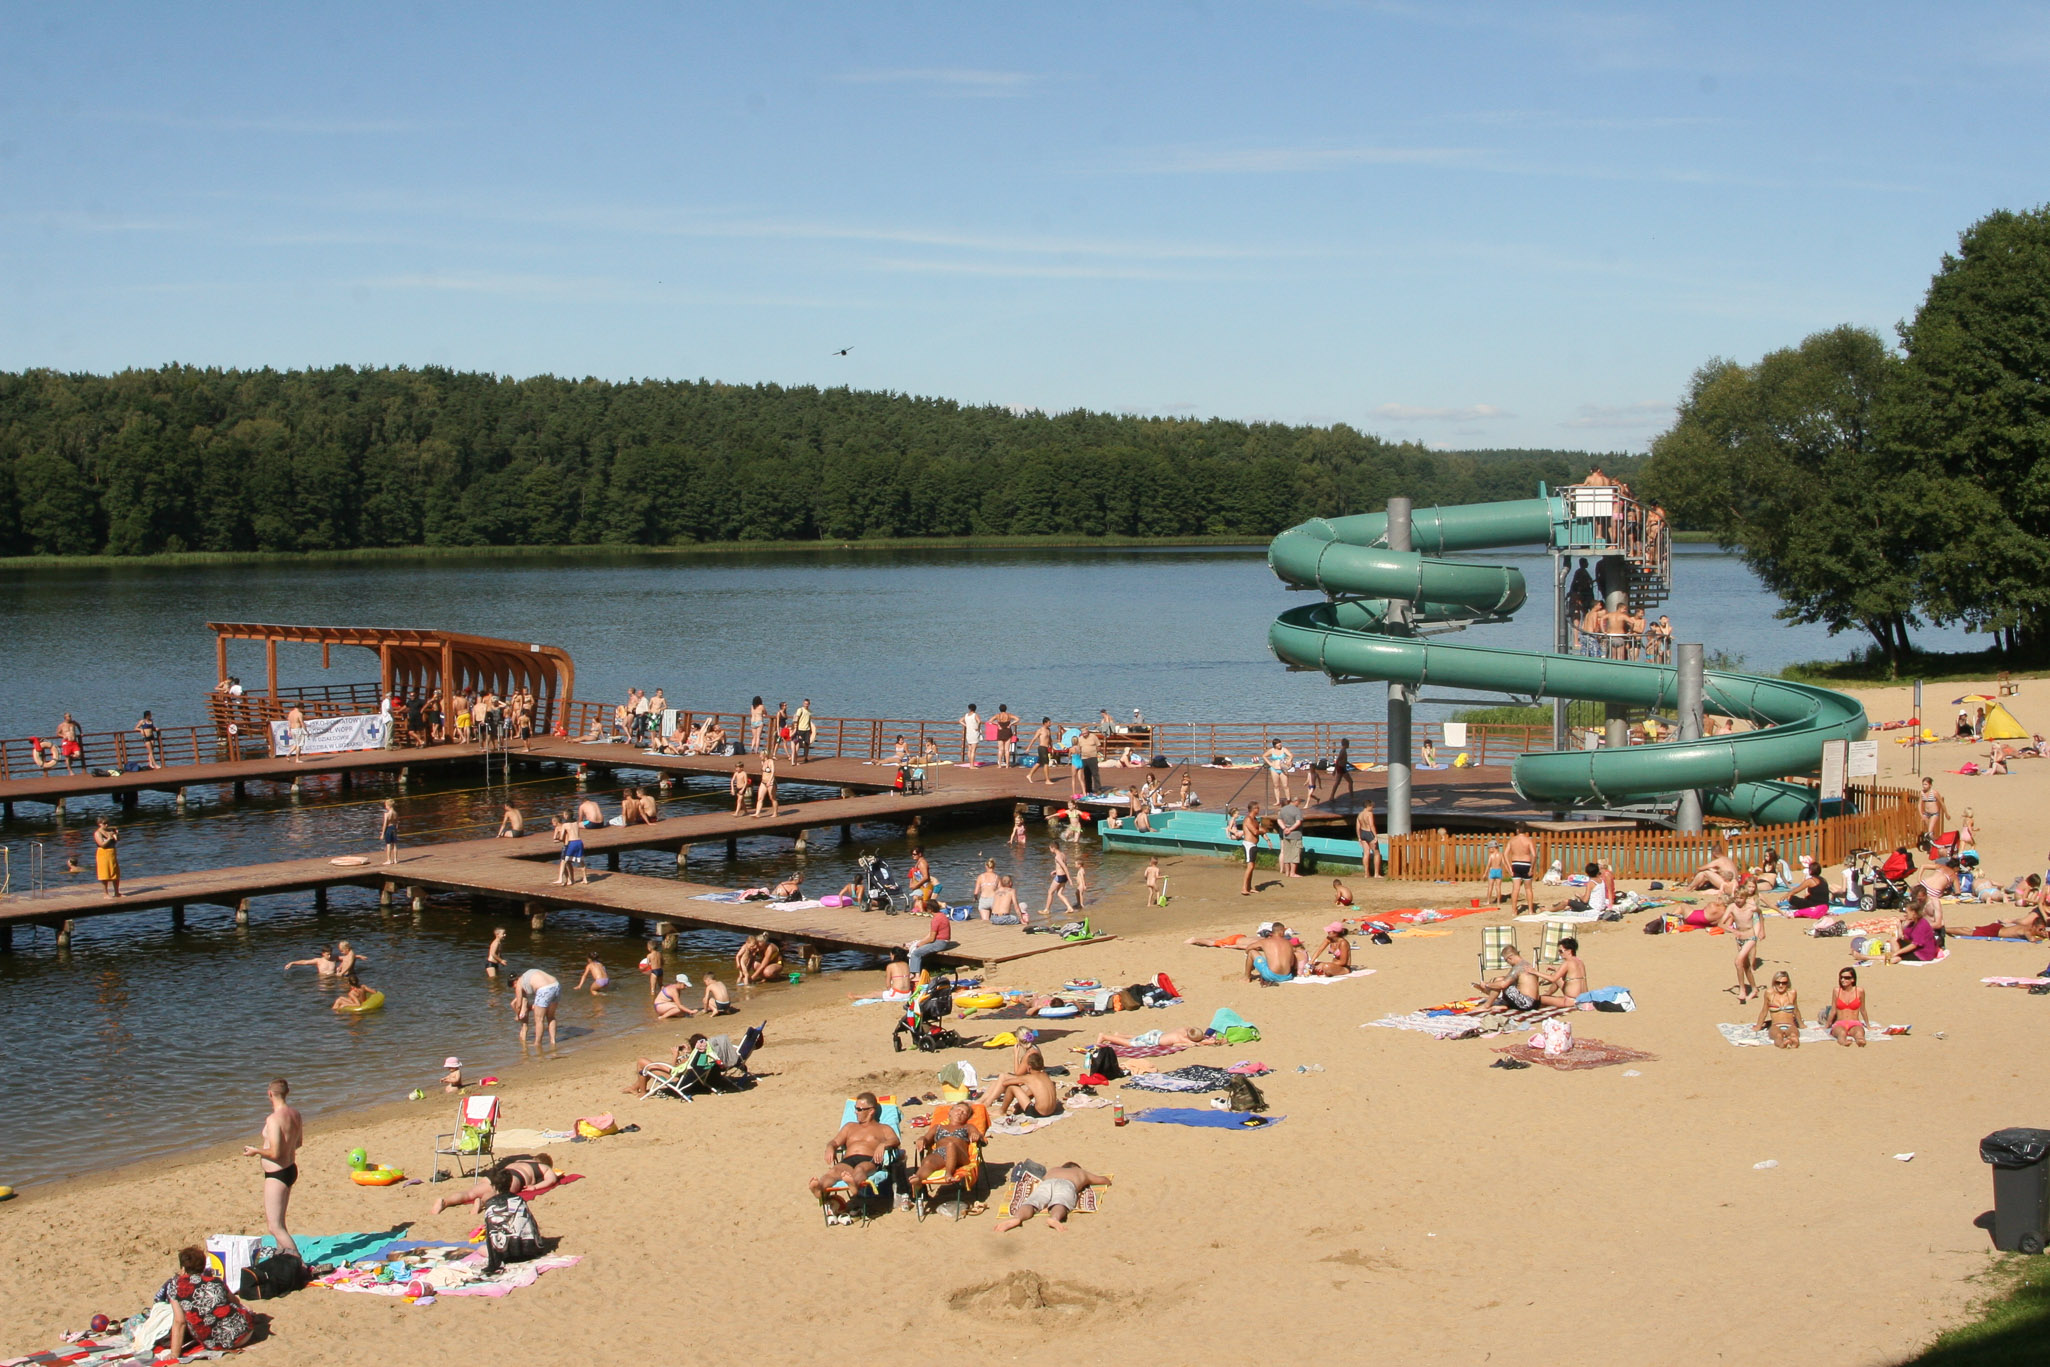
{"x":57,"y":807}
{"x":295,"y":787}
{"x":682,"y":856}
{"x":241,"y":788}
{"x":177,"y":916}
{"x":732,"y":848}
{"x":384,"y":893}
{"x":847,"y":792}
{"x":1618,"y":730}
{"x":666,"y":931}
{"x":242,"y":912}
{"x":612,"y":860}
{"x":64,"y":935}
{"x":128,"y":798}
{"x":320,"y":900}
{"x":403,"y":775}
{"x":1692,"y":695}
{"x":537,"y":915}
{"x":1398,"y":694}
{"x":418,"y":895}
{"x":7,"y":938}
{"x":179,"y":796}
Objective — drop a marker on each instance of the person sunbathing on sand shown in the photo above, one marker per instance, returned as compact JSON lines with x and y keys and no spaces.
{"x":1718,"y":875}
{"x":853,"y":1154}
{"x":1334,"y":957}
{"x":1188,"y":1037}
{"x":1517,"y":987}
{"x":1271,"y":958}
{"x":1030,"y":1090}
{"x":531,"y":1175}
{"x":1782,"y":1007}
{"x":1057,"y":1193}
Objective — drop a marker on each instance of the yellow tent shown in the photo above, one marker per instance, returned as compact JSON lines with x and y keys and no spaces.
{"x":2001,"y":725}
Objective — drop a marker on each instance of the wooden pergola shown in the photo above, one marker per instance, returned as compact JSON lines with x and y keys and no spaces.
{"x":416,"y":661}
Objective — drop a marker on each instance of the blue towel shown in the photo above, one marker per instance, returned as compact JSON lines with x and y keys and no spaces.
{"x":1206,"y":1120}
{"x":1604,"y":994}
{"x":341,"y":1248}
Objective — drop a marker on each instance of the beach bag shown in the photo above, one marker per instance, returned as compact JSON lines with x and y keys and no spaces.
{"x":1103,"y":1061}
{"x":1655,"y":926}
{"x":275,"y":1275}
{"x":1241,"y":1034}
{"x":1244,"y":1096}
{"x":1554,"y":1037}
{"x":510,"y":1234}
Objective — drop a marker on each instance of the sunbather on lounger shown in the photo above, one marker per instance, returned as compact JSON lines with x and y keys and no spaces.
{"x":677,"y":1059}
{"x":531,"y":1175}
{"x":853,"y":1154}
{"x":1517,"y":988}
{"x":949,"y":1147}
{"x":1057,"y":1193}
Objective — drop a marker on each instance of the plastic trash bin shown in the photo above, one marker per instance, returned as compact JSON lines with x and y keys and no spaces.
{"x":2021,"y":1188}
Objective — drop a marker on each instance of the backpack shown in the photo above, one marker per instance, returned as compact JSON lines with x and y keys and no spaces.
{"x":272,"y":1276}
{"x":1244,"y":1096}
{"x":1655,"y":926}
{"x":1103,"y":1061}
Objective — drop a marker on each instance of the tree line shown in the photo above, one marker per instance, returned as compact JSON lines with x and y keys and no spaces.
{"x":1876,"y":488}
{"x":188,"y":459}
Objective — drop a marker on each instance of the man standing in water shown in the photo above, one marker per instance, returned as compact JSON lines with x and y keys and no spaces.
{"x":545,"y":991}
{"x":283,"y":1132}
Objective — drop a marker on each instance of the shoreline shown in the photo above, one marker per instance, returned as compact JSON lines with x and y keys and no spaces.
{"x":1415,"y":1224}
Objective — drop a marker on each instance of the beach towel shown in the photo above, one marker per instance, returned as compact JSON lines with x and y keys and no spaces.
{"x":1196,"y":1077}
{"x":805,"y":905}
{"x":1586,"y":1053}
{"x":340,"y":1248}
{"x":1025,"y":1124}
{"x":1313,"y":980}
{"x":1140,"y":1050}
{"x":1751,"y":1035}
{"x":1206,"y":1120}
{"x":1227,"y":1019}
{"x":2014,"y":982}
{"x":886,"y":997}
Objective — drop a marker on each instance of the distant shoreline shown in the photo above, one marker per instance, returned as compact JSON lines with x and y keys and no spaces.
{"x":708,"y":548}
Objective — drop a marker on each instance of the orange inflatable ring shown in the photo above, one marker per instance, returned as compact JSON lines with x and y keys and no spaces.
{"x":374,"y":1176}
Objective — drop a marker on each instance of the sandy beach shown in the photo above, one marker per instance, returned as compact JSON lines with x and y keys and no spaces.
{"x":1416,"y":1203}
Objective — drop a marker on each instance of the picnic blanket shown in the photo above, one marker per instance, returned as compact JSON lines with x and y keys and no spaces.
{"x":1313,"y":980}
{"x":1585,"y":1053}
{"x":1206,"y":1119}
{"x":444,"y":1269}
{"x":1021,"y":1187}
{"x":1025,"y":1124}
{"x":1461,"y":1024}
{"x":1196,"y":1077}
{"x":1810,"y":1034}
{"x":107,"y":1350}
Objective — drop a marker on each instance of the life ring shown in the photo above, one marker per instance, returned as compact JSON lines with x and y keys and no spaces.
{"x":373,"y":1002}
{"x":980,"y":1001}
{"x":1060,"y":1011}
{"x":375,"y":1176}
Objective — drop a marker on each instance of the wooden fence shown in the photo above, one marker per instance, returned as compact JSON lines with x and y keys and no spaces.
{"x":1885,"y":817}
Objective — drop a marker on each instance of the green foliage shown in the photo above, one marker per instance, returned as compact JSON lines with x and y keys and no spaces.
{"x":1780,"y":462}
{"x":1972,"y":412}
{"x":2012,"y":1327}
{"x":185,"y":460}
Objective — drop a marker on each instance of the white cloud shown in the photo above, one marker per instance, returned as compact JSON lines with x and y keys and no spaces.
{"x":1625,"y":416}
{"x":1478,"y":412}
{"x":970,"y":82}
{"x":1270,"y":160}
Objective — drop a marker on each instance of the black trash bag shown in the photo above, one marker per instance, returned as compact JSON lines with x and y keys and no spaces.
{"x":2015,"y":1148}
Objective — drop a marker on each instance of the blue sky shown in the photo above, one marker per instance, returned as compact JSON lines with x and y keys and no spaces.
{"x":1471,"y":224}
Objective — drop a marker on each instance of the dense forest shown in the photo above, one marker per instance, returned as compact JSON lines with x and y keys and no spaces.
{"x":187,"y":459}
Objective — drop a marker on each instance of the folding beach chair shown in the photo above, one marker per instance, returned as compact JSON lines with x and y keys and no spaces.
{"x":1548,"y":944}
{"x":470,"y":1143}
{"x":678,"y":1081}
{"x":967,"y":1179}
{"x":1495,"y":939}
{"x":861,"y":1200}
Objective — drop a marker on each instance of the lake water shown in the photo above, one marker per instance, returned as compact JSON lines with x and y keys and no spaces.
{"x":1179,"y":633}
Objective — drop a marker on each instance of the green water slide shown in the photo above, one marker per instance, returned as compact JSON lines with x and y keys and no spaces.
{"x":1349,"y":636}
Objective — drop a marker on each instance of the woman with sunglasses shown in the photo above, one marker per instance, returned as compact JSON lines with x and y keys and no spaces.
{"x":1781,"y":1010}
{"x":1847,"y":1014}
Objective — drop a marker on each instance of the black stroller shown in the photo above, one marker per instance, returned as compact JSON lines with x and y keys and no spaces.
{"x":925,"y":1016}
{"x":879,"y":890}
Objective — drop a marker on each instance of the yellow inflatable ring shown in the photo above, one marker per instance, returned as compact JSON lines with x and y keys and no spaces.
{"x":373,"y":1002}
{"x":979,"y":1001}
{"x":375,"y":1176}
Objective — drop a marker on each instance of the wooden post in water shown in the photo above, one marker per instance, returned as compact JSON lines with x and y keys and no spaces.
{"x":242,"y":912}
{"x":7,"y":938}
{"x":320,"y":901}
{"x":57,"y":807}
{"x":419,"y":898}
{"x":64,"y":935}
{"x":667,"y":931}
{"x":177,"y":916}
{"x":384,"y":893}
{"x":732,"y":847}
{"x":636,"y":927}
{"x":128,"y":798}
{"x":682,"y":856}
{"x":800,"y":846}
{"x":537,"y":915}
{"x":612,"y":860}
{"x":241,"y":788}
{"x":846,"y":833}
{"x":179,"y":796}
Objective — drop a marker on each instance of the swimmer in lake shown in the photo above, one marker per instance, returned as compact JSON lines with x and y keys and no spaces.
{"x":357,"y":994}
{"x":322,"y":963}
{"x":493,"y":960}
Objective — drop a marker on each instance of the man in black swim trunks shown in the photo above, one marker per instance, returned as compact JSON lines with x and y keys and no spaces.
{"x":855,"y":1151}
{"x":283,"y":1131}
{"x":1517,"y":988}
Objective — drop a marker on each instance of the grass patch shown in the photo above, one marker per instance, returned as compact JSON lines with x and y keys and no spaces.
{"x":2012,"y":1327}
{"x":1869,"y":670}
{"x":705,"y":548}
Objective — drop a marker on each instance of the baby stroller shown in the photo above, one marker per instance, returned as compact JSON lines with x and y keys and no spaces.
{"x":879,"y":890}
{"x":925,"y":1017}
{"x":1883,"y":886}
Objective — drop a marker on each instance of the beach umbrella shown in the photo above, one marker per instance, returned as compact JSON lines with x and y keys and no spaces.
{"x":1972,"y":697}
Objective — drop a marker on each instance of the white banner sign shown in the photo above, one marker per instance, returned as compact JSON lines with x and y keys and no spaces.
{"x":1864,"y":761}
{"x":332,"y":735}
{"x":1833,"y":769}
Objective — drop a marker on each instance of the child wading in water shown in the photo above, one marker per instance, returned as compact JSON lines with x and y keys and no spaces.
{"x":1154,"y":882}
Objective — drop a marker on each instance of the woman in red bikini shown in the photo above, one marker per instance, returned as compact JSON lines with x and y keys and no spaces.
{"x":1847,"y":1010}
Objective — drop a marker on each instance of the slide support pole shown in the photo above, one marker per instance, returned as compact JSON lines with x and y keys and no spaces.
{"x":1692,"y":689}
{"x":1398,"y":694}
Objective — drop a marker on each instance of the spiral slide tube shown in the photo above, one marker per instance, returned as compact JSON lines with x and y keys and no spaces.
{"x":1349,"y":637}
